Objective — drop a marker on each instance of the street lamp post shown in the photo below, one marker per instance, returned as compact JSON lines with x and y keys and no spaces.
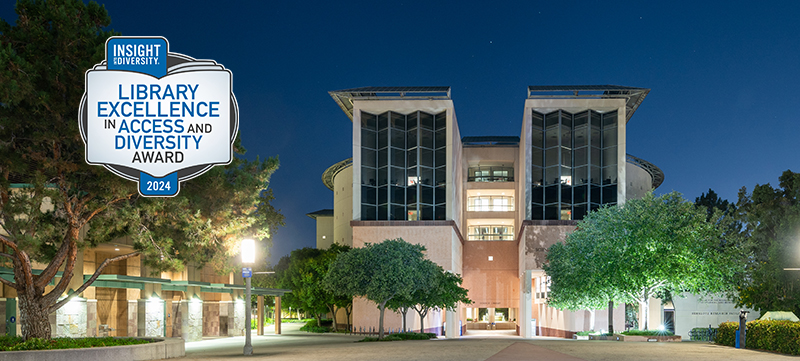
{"x":248,"y":258}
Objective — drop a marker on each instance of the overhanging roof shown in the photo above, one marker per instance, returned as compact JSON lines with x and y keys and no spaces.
{"x":321,"y":213}
{"x":633,"y":96}
{"x":655,"y":172}
{"x":346,"y":97}
{"x":134,"y":282}
{"x":329,"y":174}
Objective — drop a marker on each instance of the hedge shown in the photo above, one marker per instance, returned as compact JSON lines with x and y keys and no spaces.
{"x":13,"y":343}
{"x":779,"y":336}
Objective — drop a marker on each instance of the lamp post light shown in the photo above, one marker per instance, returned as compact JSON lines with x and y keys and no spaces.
{"x":248,"y":258}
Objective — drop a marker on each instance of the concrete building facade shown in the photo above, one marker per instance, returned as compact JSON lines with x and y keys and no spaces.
{"x":485,"y":207}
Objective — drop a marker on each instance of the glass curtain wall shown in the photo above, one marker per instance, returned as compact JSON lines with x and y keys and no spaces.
{"x":403,"y":166}
{"x":574,"y":163}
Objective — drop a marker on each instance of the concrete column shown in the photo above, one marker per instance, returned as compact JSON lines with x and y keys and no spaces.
{"x":192,"y":319}
{"x":490,"y":315}
{"x":91,"y":318}
{"x":239,"y":316}
{"x":278,"y":315}
{"x":451,"y":323}
{"x":133,"y":318}
{"x":71,"y":319}
{"x":260,"y":316}
{"x":525,"y":305}
{"x":150,"y":317}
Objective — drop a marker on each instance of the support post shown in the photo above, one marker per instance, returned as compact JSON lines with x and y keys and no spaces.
{"x":260,"y":316}
{"x":525,"y":305}
{"x":278,"y":315}
{"x":451,"y":321}
{"x":248,"y":347}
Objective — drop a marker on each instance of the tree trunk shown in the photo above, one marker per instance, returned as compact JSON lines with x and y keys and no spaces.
{"x":319,"y":319}
{"x":404,"y":311}
{"x":333,"y":312}
{"x":591,"y":320}
{"x":347,"y":311}
{"x":33,"y":317}
{"x":422,"y":313}
{"x":645,"y":309}
{"x":611,"y":317}
{"x":381,"y":307}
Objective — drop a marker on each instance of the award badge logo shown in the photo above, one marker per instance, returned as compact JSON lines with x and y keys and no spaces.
{"x":157,"y":117}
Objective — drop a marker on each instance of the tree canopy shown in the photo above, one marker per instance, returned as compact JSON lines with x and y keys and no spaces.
{"x":378,"y":272}
{"x":49,"y":195}
{"x":772,"y":226}
{"x":443,"y":293}
{"x":645,"y":247}
{"x":436,"y":289}
{"x":304,"y":275}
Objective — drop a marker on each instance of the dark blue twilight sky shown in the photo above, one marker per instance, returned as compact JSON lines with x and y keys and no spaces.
{"x":723,"y":111}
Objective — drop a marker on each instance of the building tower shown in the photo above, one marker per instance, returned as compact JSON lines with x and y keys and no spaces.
{"x":485,"y":207}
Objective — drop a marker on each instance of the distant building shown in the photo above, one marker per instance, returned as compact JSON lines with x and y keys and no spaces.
{"x":486,"y":207}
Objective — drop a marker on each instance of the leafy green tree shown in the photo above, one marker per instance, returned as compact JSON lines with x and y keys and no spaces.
{"x":297,"y":263}
{"x":49,"y":196}
{"x":445,"y":293}
{"x":401,"y":304}
{"x":379,"y":272}
{"x":576,"y":283}
{"x":711,"y":201}
{"x":306,"y":270}
{"x":644,"y":248}
{"x":772,"y":227}
{"x":426,"y":283}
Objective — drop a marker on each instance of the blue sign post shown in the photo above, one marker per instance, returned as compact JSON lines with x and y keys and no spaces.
{"x":247,"y":272}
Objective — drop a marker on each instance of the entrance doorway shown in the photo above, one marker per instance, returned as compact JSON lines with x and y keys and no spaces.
{"x":491,"y":319}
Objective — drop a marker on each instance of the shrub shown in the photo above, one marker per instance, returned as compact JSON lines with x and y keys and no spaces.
{"x":415,"y":335}
{"x":586,"y":333}
{"x":311,"y":326}
{"x":780,"y":336}
{"x":647,"y":333}
{"x":726,"y":333}
{"x":294,"y":320}
{"x":8,"y":343}
{"x":402,"y":337}
{"x":702,"y":334}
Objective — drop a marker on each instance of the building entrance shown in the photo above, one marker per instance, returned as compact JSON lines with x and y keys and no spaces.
{"x":491,"y":319}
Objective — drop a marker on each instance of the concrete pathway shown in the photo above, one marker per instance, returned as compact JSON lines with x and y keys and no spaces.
{"x":477,"y":346}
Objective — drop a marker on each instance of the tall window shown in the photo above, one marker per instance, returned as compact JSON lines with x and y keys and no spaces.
{"x":403,"y":166}
{"x":573,"y":164}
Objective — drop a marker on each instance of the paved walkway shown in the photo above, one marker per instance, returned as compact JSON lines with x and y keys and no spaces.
{"x":477,"y":346}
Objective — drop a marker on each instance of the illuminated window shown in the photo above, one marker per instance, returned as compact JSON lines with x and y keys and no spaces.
{"x":490,"y":204}
{"x":490,"y":233}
